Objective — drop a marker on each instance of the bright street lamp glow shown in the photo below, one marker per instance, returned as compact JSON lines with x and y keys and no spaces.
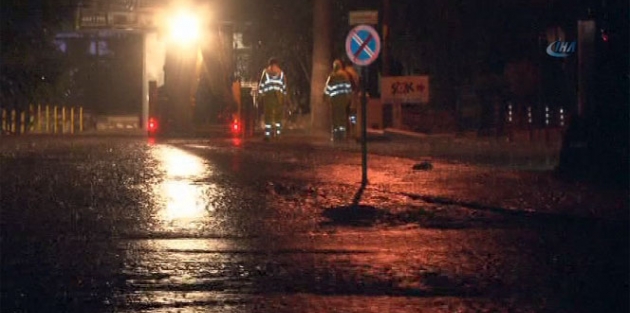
{"x":185,"y":28}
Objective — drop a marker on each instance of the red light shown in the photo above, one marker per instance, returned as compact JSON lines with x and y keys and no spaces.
{"x":605,"y":37}
{"x":152,"y":124}
{"x":235,"y":126}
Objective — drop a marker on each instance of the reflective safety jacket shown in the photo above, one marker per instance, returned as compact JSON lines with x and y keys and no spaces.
{"x":338,"y":83}
{"x":272,"y":80}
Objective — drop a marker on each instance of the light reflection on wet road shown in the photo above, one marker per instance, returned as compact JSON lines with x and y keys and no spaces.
{"x":213,"y":227}
{"x":180,"y":270}
{"x":182,"y":203}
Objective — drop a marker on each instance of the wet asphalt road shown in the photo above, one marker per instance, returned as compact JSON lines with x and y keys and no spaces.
{"x":95,"y":224}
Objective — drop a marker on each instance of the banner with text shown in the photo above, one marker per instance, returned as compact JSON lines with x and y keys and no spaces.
{"x":405,"y":89}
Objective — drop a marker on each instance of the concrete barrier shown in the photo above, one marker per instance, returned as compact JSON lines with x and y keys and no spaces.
{"x":118,"y":122}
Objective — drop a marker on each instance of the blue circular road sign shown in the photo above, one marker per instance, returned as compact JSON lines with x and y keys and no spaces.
{"x":363,"y":45}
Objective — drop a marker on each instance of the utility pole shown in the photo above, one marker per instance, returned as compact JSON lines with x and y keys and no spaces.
{"x":385,"y":35}
{"x":586,"y":46}
{"x":322,"y":44}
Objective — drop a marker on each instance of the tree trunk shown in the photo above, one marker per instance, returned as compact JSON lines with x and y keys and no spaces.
{"x":320,"y":115}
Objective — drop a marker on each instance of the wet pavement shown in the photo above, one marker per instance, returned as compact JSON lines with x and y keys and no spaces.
{"x":115,"y":224}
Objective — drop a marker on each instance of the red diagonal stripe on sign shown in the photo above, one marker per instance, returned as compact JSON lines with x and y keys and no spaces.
{"x":358,"y":40}
{"x":365,"y":43}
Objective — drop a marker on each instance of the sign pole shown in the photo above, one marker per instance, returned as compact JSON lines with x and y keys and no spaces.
{"x":363,"y":45}
{"x":364,"y":176}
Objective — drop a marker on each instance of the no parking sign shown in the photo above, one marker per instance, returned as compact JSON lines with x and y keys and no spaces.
{"x":363,"y":45}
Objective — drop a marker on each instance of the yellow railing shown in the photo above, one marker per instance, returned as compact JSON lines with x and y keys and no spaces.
{"x":42,"y":119}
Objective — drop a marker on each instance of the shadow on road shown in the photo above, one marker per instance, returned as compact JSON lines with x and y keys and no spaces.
{"x":368,"y":216}
{"x":447,"y":213}
{"x":530,"y":216}
{"x":357,"y":196}
{"x":355,"y":215}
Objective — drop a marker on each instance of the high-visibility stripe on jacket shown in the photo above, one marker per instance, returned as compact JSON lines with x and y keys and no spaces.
{"x":337,"y":84}
{"x":340,"y":88}
{"x":272,"y":83}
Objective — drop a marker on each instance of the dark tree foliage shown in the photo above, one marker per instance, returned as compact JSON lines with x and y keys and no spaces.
{"x":282,"y":29}
{"x":32,"y":68}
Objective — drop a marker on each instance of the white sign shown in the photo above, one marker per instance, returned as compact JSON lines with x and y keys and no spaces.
{"x":90,"y":18}
{"x":142,"y":20}
{"x":363,"y":17}
{"x":407,"y":89}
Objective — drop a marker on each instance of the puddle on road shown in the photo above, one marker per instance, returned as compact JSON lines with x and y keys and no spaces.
{"x":182,"y":202}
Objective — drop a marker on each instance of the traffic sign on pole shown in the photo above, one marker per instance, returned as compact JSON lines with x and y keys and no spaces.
{"x":363,"y":45}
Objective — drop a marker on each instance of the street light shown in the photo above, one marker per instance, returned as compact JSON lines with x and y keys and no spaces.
{"x":184,"y":28}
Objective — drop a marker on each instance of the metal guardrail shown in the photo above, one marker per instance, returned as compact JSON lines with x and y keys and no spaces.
{"x":42,"y":119}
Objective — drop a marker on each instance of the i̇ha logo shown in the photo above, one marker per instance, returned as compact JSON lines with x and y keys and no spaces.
{"x":561,"y":49}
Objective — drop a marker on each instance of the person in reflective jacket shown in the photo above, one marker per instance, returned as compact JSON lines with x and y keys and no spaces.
{"x":272,"y":90}
{"x":338,"y":94}
{"x":354,"y":100}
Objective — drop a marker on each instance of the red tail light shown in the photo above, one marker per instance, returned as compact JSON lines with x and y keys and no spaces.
{"x":236,"y":126}
{"x":152,"y":125}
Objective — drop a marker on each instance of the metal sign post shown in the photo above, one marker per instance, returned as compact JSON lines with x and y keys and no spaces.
{"x":363,"y":45}
{"x":364,"y":175}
